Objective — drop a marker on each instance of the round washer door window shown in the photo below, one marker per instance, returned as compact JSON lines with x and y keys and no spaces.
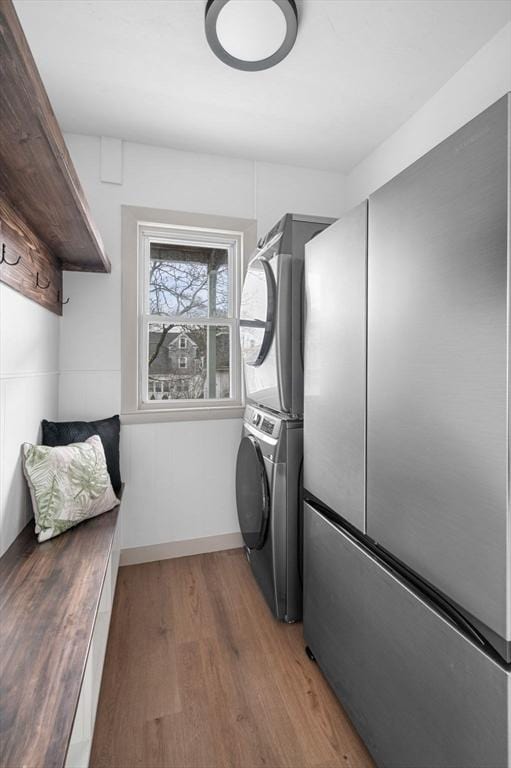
{"x":257,"y":312}
{"x":252,"y":493}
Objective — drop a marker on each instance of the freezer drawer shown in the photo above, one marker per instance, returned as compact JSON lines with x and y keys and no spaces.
{"x":420,"y":694}
{"x":335,"y":366}
{"x":437,"y":424}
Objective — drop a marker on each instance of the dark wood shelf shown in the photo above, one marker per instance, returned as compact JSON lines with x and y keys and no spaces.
{"x":37,"y":176}
{"x":49,"y":599}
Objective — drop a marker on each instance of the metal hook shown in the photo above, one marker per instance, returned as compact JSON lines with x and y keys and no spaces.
{"x":3,"y":260}
{"x":61,"y":302}
{"x":38,"y":284}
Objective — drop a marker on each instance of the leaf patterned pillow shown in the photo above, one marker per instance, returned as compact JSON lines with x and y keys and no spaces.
{"x":68,"y":484}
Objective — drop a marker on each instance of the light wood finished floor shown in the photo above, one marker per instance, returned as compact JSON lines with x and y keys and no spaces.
{"x":198,"y":674}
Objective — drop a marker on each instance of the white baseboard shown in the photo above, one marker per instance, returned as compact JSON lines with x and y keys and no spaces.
{"x":170,"y":549}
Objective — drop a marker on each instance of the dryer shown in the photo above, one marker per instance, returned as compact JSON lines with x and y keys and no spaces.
{"x":268,"y":497}
{"x":271,"y":315}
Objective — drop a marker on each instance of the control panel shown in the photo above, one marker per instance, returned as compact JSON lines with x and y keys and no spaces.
{"x":267,"y":426}
{"x":262,"y":421}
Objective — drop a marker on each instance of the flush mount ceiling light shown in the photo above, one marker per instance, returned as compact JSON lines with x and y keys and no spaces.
{"x":251,"y":34}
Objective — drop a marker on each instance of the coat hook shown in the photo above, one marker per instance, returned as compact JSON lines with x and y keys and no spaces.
{"x":38,"y":284}
{"x":61,"y":302}
{"x":3,"y":260}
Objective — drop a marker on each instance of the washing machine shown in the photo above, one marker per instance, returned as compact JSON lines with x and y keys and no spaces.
{"x":271,"y":315}
{"x":268,"y":497}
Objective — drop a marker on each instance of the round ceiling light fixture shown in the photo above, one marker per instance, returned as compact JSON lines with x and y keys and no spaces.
{"x":251,"y":34}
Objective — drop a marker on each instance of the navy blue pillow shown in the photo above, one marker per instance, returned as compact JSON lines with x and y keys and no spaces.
{"x":66,"y":432}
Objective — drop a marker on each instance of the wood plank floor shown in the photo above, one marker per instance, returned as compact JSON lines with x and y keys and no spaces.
{"x":198,"y":674}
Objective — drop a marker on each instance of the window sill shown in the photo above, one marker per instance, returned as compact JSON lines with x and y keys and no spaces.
{"x":155,"y":415}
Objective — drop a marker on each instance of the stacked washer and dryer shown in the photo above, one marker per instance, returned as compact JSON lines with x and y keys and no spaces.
{"x":269,"y":464}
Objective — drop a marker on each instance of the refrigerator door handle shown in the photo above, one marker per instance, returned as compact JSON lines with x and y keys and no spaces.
{"x":442,"y":605}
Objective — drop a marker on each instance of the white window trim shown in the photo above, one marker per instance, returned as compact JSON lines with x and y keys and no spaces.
{"x":242,"y":233}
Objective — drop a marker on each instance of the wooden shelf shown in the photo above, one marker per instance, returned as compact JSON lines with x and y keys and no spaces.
{"x":37,"y":176}
{"x":49,"y":599}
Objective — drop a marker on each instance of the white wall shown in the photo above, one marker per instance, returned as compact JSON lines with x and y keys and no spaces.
{"x":478,"y":84}
{"x":180,"y":475}
{"x":29,"y":352}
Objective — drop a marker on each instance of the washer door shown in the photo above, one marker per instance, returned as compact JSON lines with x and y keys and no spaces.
{"x":252,"y":493}
{"x":257,"y":312}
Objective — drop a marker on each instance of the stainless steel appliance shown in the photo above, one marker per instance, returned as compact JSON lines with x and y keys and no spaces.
{"x":419,"y":690}
{"x":268,"y":499}
{"x":407,"y":575}
{"x":271,"y":324}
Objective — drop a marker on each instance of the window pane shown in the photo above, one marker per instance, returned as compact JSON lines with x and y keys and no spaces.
{"x":199,"y":370}
{"x":188,"y":280}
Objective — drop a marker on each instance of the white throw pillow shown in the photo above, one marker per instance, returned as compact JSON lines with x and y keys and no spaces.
{"x":68,"y":484}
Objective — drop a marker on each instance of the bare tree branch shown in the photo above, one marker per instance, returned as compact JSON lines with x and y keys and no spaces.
{"x":156,"y":352}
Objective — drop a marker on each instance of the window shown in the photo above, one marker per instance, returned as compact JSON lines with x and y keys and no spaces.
{"x":187,"y":289}
{"x":188,"y":280}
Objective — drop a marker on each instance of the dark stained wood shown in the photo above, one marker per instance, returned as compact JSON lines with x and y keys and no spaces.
{"x":37,"y":175}
{"x":17,"y":241}
{"x":49,"y":597}
{"x":199,"y":674}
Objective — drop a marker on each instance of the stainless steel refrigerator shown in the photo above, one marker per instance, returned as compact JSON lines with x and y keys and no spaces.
{"x":407,"y":529}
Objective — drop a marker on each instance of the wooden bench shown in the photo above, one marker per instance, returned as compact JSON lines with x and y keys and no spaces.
{"x":55,"y":607}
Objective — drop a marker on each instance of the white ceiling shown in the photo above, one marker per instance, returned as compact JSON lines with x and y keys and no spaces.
{"x":142,"y":70}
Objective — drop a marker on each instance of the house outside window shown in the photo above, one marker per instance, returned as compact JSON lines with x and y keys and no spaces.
{"x":187,"y":289}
